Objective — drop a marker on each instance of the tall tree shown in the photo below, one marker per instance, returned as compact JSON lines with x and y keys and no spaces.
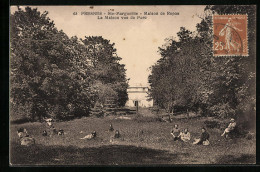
{"x":240,"y":71}
{"x":106,"y":66}
{"x":49,"y":74}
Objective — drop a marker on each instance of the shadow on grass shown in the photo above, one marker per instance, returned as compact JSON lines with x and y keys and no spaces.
{"x":231,"y":159}
{"x":104,"y":155}
{"x":20,"y":121}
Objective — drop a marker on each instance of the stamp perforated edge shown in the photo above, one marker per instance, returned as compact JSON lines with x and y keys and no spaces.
{"x":230,"y":55}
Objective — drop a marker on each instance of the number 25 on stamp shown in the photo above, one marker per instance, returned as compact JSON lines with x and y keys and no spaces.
{"x":230,"y":35}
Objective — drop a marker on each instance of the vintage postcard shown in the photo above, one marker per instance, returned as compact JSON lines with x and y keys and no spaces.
{"x":132,"y":85}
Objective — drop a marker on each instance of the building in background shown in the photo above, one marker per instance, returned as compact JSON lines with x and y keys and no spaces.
{"x":138,"y":95}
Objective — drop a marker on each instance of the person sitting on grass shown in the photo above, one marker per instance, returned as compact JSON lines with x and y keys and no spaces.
{"x":53,"y":131}
{"x":22,"y":132}
{"x":117,"y":137}
{"x":61,"y":132}
{"x":24,"y":137}
{"x":27,"y":141}
{"x":49,"y":122}
{"x":44,"y":133}
{"x":204,"y":138}
{"x":175,"y":132}
{"x":111,"y":127}
{"x":90,"y":136}
{"x":185,"y":135}
{"x":117,"y":134}
{"x":230,"y":128}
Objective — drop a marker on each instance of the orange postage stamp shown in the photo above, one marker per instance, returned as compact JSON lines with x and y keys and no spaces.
{"x":230,"y":35}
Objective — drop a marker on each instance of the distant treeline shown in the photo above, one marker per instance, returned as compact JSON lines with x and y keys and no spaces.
{"x":189,"y":77}
{"x":52,"y":75}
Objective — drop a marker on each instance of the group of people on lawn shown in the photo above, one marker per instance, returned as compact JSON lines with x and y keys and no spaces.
{"x":94,"y":134}
{"x":185,"y":135}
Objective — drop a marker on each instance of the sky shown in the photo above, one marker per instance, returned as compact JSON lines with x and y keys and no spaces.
{"x":137,"y":40}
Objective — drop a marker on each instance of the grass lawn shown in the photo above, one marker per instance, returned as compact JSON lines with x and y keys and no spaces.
{"x":144,"y":141}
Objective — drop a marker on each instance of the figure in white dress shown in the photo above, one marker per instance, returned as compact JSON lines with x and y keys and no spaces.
{"x":90,"y":136}
{"x":49,"y":121}
{"x":227,"y":32}
{"x":230,"y":127}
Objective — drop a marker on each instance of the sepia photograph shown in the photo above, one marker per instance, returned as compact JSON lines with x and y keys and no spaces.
{"x":132,"y":85}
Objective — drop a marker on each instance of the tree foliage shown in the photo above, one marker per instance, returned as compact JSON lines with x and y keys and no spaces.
{"x":52,"y":74}
{"x":189,"y":77}
{"x":106,"y":67}
{"x":243,"y":68}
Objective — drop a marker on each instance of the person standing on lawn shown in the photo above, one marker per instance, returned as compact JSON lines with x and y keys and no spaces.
{"x":175,"y":132}
{"x":230,"y":127}
{"x":204,"y":138}
{"x":185,"y":135}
